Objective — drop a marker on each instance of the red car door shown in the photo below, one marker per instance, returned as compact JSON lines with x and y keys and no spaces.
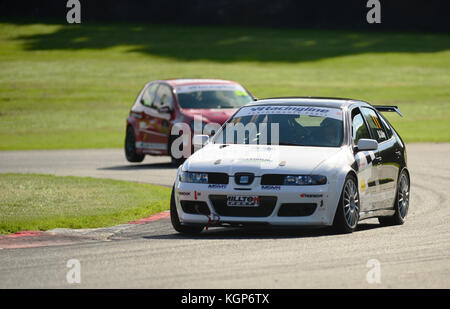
{"x":155,"y":128}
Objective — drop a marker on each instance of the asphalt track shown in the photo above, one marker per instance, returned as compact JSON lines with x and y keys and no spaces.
{"x":152,"y":255}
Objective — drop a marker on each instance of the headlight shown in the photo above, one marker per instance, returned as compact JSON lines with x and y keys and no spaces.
{"x":194,"y":177}
{"x":304,"y":180}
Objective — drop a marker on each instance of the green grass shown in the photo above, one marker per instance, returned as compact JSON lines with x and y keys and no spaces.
{"x":42,"y":202}
{"x":71,"y":86}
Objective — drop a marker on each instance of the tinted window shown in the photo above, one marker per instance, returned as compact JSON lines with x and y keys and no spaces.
{"x":387,"y":127}
{"x":212,"y":96}
{"x":213,"y":99}
{"x":359,"y":128}
{"x":149,"y":95}
{"x":375,"y":125}
{"x":163,"y":97}
{"x":284,"y":125}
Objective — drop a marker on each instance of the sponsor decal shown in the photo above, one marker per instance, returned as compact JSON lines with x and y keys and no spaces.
{"x":363,"y":185}
{"x":158,"y":146}
{"x":381,"y":134}
{"x":311,"y":195}
{"x":375,"y":120}
{"x":216,"y":186}
{"x":196,"y":195}
{"x":240,"y":93}
{"x":296,"y":110}
{"x":184,"y":193}
{"x":270,"y":187}
{"x":242,"y":201}
{"x":252,"y":160}
{"x":209,"y":87}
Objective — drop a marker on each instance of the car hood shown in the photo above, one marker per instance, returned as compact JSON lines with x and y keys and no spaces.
{"x":210,"y":115}
{"x":258,"y":159}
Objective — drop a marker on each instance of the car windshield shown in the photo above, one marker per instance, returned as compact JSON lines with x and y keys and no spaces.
{"x":284,"y":125}
{"x":212,"y":96}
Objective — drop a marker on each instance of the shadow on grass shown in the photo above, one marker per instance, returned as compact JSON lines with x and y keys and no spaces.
{"x":229,"y":44}
{"x":262,"y":233}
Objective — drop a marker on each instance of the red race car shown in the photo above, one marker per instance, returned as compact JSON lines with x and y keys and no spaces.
{"x":164,"y":103}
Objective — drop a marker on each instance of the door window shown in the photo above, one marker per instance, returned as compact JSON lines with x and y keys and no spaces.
{"x":359,"y":128}
{"x":164,"y":98}
{"x":149,"y":95}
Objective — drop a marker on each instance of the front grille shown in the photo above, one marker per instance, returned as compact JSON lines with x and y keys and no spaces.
{"x":218,"y":178}
{"x":195,"y":207}
{"x":297,"y":209}
{"x":265,"y":208}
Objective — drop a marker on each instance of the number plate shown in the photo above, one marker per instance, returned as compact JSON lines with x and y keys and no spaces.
{"x":242,"y":201}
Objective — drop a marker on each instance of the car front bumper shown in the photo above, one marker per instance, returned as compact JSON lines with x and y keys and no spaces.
{"x":322,"y":197}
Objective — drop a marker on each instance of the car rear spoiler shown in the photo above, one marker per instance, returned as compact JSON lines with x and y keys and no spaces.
{"x":388,"y":108}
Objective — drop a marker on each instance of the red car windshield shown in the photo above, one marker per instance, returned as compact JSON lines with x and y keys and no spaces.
{"x":212,"y":96}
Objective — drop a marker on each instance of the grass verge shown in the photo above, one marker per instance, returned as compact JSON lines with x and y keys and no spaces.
{"x":43,"y":202}
{"x":71,"y":86}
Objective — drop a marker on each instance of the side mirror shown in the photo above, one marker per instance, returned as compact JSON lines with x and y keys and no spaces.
{"x":365,"y":144}
{"x":200,"y":140}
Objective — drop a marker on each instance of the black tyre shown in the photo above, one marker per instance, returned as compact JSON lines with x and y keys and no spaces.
{"x":130,"y":147}
{"x":347,"y":212}
{"x":401,"y":204}
{"x":175,"y":162}
{"x":184,"y":229}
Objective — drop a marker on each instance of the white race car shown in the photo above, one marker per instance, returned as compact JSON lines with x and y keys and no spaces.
{"x":295,"y":162}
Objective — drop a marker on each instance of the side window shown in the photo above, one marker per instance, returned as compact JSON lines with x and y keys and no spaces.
{"x":164,"y":97}
{"x":374,"y":124}
{"x":387,"y":127}
{"x":359,"y":128}
{"x":149,"y":95}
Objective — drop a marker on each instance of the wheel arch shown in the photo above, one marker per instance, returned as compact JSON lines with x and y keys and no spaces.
{"x":405,"y":168}
{"x":340,"y":186}
{"x":131,"y":122}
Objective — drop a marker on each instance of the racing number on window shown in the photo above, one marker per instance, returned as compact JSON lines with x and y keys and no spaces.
{"x":374,"y":124}
{"x":387,"y":127}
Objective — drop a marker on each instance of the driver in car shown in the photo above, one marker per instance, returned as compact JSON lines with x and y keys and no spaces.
{"x":331,"y":130}
{"x":291,"y":132}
